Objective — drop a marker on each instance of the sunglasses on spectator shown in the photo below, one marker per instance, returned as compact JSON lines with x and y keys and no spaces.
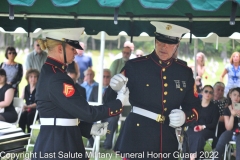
{"x":11,"y":52}
{"x":37,"y":45}
{"x":139,"y":55}
{"x":207,"y":91}
{"x":106,"y":76}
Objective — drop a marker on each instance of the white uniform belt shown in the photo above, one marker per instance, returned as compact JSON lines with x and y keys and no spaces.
{"x":59,"y":121}
{"x":143,"y":112}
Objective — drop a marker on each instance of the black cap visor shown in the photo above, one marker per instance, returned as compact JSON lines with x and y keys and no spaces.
{"x":72,"y":43}
{"x":166,"y":39}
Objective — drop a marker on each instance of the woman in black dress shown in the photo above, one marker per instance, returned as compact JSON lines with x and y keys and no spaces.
{"x":199,"y":132}
{"x":28,"y":95}
{"x":7,"y":111}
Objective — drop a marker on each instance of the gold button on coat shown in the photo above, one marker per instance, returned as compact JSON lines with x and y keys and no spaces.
{"x":147,"y":85}
{"x":138,"y":124}
{"x":164,"y":77}
{"x":165,"y":93}
{"x":165,"y":84}
{"x":164,"y":101}
{"x":163,"y":69}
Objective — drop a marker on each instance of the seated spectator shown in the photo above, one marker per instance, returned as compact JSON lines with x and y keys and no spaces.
{"x":221,"y":102}
{"x":112,"y":121}
{"x":205,"y":127}
{"x":28,"y":95}
{"x":7,"y":110}
{"x":139,"y":53}
{"x":13,"y":69}
{"x":90,"y":82}
{"x":231,"y":121}
{"x":73,"y":72}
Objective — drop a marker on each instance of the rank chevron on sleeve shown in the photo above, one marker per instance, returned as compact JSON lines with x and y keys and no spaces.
{"x":68,"y":90}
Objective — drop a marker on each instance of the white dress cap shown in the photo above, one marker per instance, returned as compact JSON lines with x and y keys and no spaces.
{"x":59,"y":34}
{"x":169,"y":29}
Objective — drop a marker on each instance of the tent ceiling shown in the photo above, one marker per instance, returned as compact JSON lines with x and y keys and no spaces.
{"x":133,"y":16}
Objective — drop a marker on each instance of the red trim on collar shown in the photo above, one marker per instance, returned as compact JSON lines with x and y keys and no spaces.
{"x":54,"y":66}
{"x":56,"y":60}
{"x":53,"y":69}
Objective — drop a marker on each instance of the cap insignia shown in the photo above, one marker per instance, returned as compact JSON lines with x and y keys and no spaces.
{"x":168,"y":27}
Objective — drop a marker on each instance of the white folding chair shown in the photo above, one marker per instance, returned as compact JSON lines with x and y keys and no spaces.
{"x":210,"y":140}
{"x":120,"y":121}
{"x":18,"y":104}
{"x":33,"y":127}
{"x":228,"y":148}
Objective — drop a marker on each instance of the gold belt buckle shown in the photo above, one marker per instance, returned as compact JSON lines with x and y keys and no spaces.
{"x":160,"y":118}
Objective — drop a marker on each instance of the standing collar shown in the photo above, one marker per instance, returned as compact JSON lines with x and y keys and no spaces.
{"x":162,"y":63}
{"x":57,"y":64}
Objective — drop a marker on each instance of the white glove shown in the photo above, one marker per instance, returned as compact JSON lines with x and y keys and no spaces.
{"x":2,"y":110}
{"x":117,"y":82}
{"x":123,"y":94}
{"x":177,"y":118}
{"x":99,"y":129}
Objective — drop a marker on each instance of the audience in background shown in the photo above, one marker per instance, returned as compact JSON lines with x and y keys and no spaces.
{"x":28,"y":95}
{"x":13,"y":69}
{"x":231,"y":121}
{"x":36,"y":58}
{"x":73,"y":72}
{"x":221,"y":102}
{"x":7,"y":110}
{"x":199,"y":132}
{"x":112,"y":121}
{"x":139,"y":53}
{"x":233,"y":71}
{"x":118,"y":64}
{"x":90,"y":82}
{"x":200,"y":70}
{"x":130,"y":45}
{"x":83,"y":61}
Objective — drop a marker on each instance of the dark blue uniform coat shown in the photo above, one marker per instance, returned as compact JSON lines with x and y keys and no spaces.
{"x":157,"y":86}
{"x":57,"y":97}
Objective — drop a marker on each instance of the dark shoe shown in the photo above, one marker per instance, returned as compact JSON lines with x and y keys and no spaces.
{"x":107,"y":147}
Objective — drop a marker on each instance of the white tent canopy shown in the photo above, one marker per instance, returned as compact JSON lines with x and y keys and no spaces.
{"x":211,"y":38}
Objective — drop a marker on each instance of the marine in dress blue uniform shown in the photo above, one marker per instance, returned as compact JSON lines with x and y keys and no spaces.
{"x":59,"y":104}
{"x":156,"y":86}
